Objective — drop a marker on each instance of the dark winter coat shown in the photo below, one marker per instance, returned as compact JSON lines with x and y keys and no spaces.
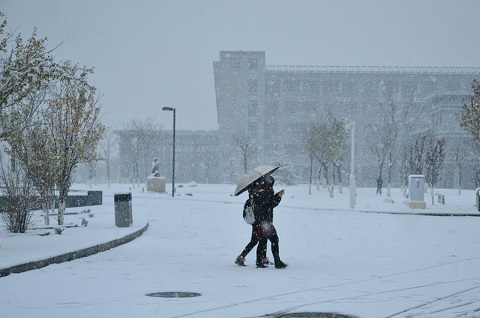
{"x":265,"y":201}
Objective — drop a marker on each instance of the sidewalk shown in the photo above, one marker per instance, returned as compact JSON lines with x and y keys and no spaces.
{"x":41,"y":246}
{"x":44,"y":257}
{"x":21,"y":252}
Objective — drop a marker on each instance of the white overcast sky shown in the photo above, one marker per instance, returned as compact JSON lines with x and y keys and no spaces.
{"x":148,"y":54}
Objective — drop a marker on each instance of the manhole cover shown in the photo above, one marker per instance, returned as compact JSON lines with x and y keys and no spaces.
{"x":313,"y":315}
{"x":174,"y":294}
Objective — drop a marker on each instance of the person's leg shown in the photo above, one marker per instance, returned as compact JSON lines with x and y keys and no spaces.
{"x":275,"y":248}
{"x":250,"y":245}
{"x":276,"y":251}
{"x":241,"y":258}
{"x":261,"y":250}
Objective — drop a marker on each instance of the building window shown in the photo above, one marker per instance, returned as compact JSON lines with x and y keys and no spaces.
{"x":272,"y":107}
{"x":252,"y":128}
{"x":310,"y":86}
{"x":235,"y":63}
{"x":310,"y":107}
{"x":291,"y":85}
{"x":271,"y":128}
{"x":331,"y":87}
{"x":252,"y":108}
{"x":291,"y":106}
{"x":253,"y":86}
{"x":273,"y":86}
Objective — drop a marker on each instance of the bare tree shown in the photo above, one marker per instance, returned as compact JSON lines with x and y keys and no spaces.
{"x":388,"y":135}
{"x":244,"y":142}
{"x":433,"y":163}
{"x":108,"y":150}
{"x":144,"y":137}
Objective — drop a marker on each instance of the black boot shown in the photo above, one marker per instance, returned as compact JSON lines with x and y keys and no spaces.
{"x":280,"y":264}
{"x":240,"y":261}
{"x":261,"y":265}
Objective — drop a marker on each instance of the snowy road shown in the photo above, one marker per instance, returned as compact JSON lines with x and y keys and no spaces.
{"x":358,"y":264}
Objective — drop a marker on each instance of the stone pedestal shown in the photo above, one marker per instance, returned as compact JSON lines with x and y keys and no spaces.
{"x":417,"y":204}
{"x":156,"y":184}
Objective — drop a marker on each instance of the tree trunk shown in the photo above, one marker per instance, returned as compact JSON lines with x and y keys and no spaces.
{"x":46,"y":214}
{"x":330,"y":190}
{"x":389,"y":178}
{"x":340,"y":183}
{"x":459,"y":182}
{"x":325,"y":176}
{"x":311,"y":177}
{"x":62,"y":204}
{"x":51,"y":206}
{"x":319,"y":177}
{"x":432,"y":195}
{"x":108,"y":174}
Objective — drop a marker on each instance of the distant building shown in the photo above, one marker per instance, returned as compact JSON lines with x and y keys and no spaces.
{"x":275,"y":105}
{"x":269,"y":108}
{"x":196,"y":155}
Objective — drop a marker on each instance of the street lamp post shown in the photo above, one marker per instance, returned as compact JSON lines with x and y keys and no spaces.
{"x":353,"y":190}
{"x":173,"y":161}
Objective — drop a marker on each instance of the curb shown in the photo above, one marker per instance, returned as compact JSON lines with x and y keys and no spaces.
{"x":72,"y":255}
{"x":423,"y":213}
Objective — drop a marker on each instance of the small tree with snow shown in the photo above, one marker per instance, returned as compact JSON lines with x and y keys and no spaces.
{"x":415,"y":156}
{"x":26,"y":66}
{"x":470,"y":115}
{"x":28,"y":143}
{"x":19,"y":198}
{"x":72,"y":117}
{"x":326,"y":142}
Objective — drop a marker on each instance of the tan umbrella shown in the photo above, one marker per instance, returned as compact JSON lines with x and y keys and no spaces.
{"x":252,"y":176}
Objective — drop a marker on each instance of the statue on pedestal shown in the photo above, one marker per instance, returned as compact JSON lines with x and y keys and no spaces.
{"x":155,"y":168}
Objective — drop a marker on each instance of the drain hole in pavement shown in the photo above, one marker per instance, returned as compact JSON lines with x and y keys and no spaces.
{"x":174,"y":294}
{"x":312,"y":315}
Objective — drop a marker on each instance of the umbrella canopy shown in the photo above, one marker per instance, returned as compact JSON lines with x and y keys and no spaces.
{"x":252,"y":176}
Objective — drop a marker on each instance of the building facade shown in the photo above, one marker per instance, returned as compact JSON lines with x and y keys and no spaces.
{"x":273,"y":107}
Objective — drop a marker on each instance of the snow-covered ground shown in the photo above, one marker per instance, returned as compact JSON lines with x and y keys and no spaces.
{"x":340,"y":259}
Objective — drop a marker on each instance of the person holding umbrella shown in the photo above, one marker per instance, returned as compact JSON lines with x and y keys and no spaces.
{"x":265,"y":200}
{"x":240,"y":260}
{"x":259,"y":184}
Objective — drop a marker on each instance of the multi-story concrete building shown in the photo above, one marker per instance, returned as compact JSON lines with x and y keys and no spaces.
{"x":268,"y":109}
{"x":275,"y":105}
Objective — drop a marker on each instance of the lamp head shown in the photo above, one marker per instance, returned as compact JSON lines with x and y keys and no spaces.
{"x":168,"y":108}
